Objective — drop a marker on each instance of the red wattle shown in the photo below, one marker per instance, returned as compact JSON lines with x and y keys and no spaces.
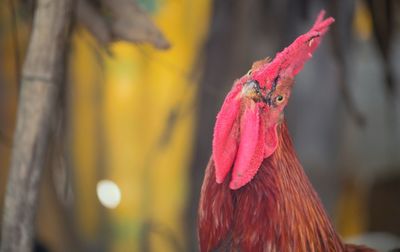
{"x":226,"y":133}
{"x":251,"y":147}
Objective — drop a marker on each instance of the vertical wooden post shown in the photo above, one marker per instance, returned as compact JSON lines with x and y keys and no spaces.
{"x":40,"y":83}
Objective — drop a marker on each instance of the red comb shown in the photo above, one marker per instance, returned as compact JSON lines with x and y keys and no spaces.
{"x":291,"y":60}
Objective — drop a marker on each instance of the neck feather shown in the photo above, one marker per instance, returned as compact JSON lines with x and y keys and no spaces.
{"x":277,"y":211}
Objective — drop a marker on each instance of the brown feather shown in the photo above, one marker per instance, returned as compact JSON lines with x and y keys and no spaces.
{"x":277,"y":211}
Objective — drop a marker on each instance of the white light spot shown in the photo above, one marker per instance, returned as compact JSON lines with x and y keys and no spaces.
{"x":108,"y":193}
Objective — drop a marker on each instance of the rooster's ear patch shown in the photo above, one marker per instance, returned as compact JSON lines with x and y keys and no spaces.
{"x":271,"y":140}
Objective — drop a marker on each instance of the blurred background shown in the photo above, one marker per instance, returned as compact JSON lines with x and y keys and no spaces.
{"x":132,"y":134}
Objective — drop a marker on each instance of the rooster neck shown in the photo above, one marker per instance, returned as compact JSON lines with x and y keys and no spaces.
{"x":277,"y":211}
{"x":284,"y":206}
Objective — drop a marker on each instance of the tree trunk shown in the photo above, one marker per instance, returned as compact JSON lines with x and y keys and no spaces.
{"x":41,"y":78}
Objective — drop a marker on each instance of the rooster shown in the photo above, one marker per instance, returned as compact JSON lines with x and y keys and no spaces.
{"x":255,"y":195}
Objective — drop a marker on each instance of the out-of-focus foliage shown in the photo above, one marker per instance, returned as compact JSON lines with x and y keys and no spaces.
{"x":131,"y":119}
{"x":132,"y":122}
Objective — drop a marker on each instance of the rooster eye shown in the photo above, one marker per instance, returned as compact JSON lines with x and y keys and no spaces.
{"x":279,"y":98}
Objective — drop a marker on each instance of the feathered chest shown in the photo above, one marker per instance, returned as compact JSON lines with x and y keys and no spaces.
{"x":277,"y":211}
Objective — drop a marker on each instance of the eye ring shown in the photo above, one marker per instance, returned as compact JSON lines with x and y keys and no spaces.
{"x":279,"y":98}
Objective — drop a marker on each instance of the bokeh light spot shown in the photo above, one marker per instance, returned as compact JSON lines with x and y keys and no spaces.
{"x":108,"y":193}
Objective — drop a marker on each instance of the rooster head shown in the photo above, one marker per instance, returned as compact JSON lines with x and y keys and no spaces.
{"x":245,"y":131}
